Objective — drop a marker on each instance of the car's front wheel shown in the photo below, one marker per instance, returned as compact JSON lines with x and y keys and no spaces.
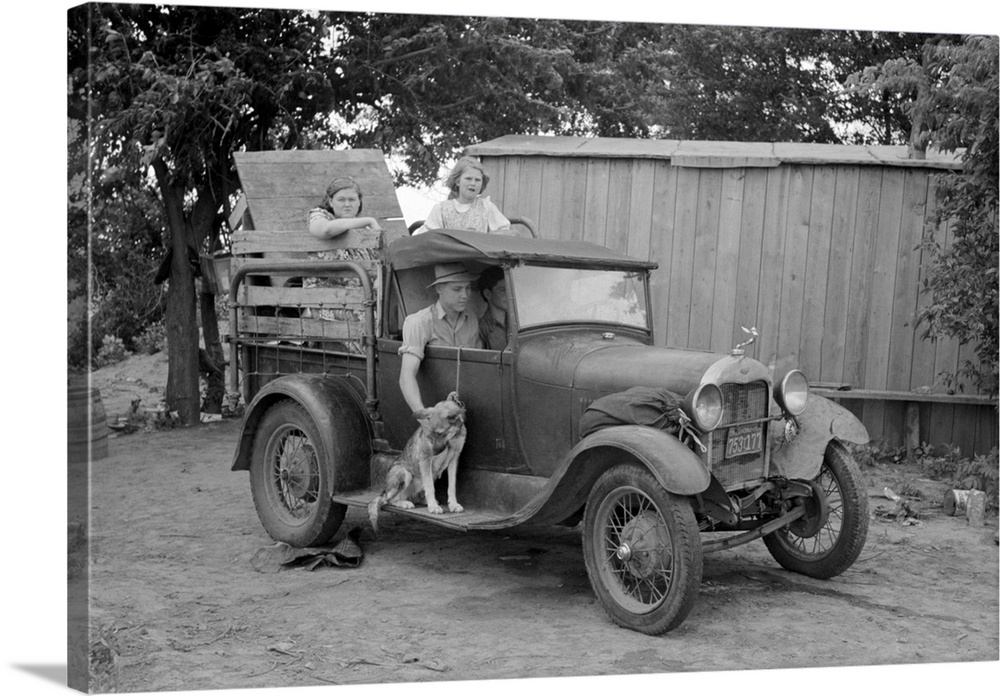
{"x":290,"y":478}
{"x":828,"y":540}
{"x":642,"y":550}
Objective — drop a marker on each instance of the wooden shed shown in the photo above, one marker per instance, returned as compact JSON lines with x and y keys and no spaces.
{"x":814,"y":245}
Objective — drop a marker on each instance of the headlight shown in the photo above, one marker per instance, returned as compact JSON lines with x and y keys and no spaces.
{"x":793,"y":393}
{"x":704,"y":406}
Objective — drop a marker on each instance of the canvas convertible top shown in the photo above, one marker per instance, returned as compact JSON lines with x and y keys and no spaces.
{"x":458,"y":245}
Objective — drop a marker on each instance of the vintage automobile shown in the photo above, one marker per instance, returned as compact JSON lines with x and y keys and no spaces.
{"x":659,"y":455}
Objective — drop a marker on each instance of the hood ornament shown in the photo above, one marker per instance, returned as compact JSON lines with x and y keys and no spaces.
{"x":752,"y":333}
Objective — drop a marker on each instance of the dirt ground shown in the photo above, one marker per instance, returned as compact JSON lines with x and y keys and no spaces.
{"x":177,"y":605}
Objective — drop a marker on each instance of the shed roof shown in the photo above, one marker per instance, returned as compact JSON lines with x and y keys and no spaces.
{"x":441,"y":246}
{"x":710,"y":153}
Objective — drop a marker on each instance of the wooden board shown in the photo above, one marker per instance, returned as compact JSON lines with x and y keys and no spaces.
{"x":300,"y":328}
{"x":839,"y":280}
{"x":862,"y":276}
{"x":619,"y":204}
{"x":793,"y":270}
{"x":258,"y":241}
{"x":727,"y":260}
{"x":269,"y":296}
{"x":640,"y":209}
{"x":815,"y":289}
{"x":772,"y":262}
{"x":905,"y":396}
{"x":712,"y":154}
{"x":883,"y":289}
{"x":662,"y":232}
{"x":572,"y":207}
{"x":922,"y":364}
{"x":550,"y":217}
{"x":703,"y":262}
{"x":748,"y":272}
{"x":502,"y":186}
{"x":528,"y":202}
{"x":282,"y":186}
{"x":883,"y":286}
{"x":682,"y":258}
{"x":907,"y":275}
{"x":252,"y":264}
{"x":595,"y":202}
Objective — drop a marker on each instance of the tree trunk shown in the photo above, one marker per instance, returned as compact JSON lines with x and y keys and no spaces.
{"x":214,"y":367}
{"x":205,"y":225}
{"x":183,"y":391}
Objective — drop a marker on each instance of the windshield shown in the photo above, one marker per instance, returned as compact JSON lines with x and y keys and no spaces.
{"x":546,"y":295}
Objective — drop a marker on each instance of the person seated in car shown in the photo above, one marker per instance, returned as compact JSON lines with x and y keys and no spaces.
{"x":447,"y":322}
{"x":493,"y":323}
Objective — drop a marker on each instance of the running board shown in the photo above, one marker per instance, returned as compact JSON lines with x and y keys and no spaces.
{"x":462,"y":521}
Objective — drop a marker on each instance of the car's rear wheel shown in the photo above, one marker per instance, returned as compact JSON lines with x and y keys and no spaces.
{"x":642,"y":550}
{"x":829,"y":544}
{"x":290,"y":478}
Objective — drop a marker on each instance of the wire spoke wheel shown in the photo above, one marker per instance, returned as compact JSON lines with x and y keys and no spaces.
{"x":290,"y":478}
{"x":837,"y":542}
{"x":642,"y":550}
{"x":294,"y":472}
{"x":638,"y":553}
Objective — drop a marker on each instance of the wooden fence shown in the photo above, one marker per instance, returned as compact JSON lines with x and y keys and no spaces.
{"x":817,"y":246}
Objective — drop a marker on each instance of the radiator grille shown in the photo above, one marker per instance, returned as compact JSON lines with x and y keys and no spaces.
{"x":742,"y":402}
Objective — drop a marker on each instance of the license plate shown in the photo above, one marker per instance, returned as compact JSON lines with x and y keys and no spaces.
{"x":745,"y":440}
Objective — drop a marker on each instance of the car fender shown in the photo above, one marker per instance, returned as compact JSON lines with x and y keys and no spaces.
{"x":673,"y":464}
{"x":339,"y":415}
{"x":821,"y":422}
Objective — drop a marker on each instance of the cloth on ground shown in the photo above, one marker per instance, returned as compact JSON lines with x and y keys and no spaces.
{"x":346,"y":554}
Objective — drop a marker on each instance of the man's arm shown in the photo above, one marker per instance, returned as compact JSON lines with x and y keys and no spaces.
{"x":408,"y":381}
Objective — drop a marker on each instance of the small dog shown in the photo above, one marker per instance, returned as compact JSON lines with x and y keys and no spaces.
{"x":434,"y":447}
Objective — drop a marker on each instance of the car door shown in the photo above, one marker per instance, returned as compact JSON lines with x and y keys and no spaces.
{"x":477,"y":375}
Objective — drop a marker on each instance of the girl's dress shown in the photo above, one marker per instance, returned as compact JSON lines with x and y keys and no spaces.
{"x":480,"y":216}
{"x":356,"y":317}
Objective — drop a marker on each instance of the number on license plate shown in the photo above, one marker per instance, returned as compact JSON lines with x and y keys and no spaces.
{"x":745,"y":440}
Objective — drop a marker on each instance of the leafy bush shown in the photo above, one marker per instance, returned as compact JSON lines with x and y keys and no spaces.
{"x":114,"y":248}
{"x":981,"y":472}
{"x":877,"y":452}
{"x":76,"y":327}
{"x":112,"y":351}
{"x":152,"y":340}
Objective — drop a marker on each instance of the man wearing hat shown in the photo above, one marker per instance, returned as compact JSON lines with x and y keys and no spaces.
{"x":444,"y":323}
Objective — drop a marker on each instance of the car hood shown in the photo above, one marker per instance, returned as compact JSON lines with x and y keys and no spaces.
{"x":590,"y":362}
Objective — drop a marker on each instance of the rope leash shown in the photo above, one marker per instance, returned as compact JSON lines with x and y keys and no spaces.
{"x":458,"y":373}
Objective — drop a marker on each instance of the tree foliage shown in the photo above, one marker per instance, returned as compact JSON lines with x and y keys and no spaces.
{"x":167,"y":93}
{"x":952,"y":92}
{"x":115,"y":234}
{"x":424,"y":87}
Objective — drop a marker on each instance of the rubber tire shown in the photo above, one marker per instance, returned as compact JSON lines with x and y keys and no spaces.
{"x":323,"y":517}
{"x":676,"y":514}
{"x":846,"y":527}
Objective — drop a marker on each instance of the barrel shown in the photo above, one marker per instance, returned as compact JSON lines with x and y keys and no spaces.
{"x":955,"y":501}
{"x":87,"y":424}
